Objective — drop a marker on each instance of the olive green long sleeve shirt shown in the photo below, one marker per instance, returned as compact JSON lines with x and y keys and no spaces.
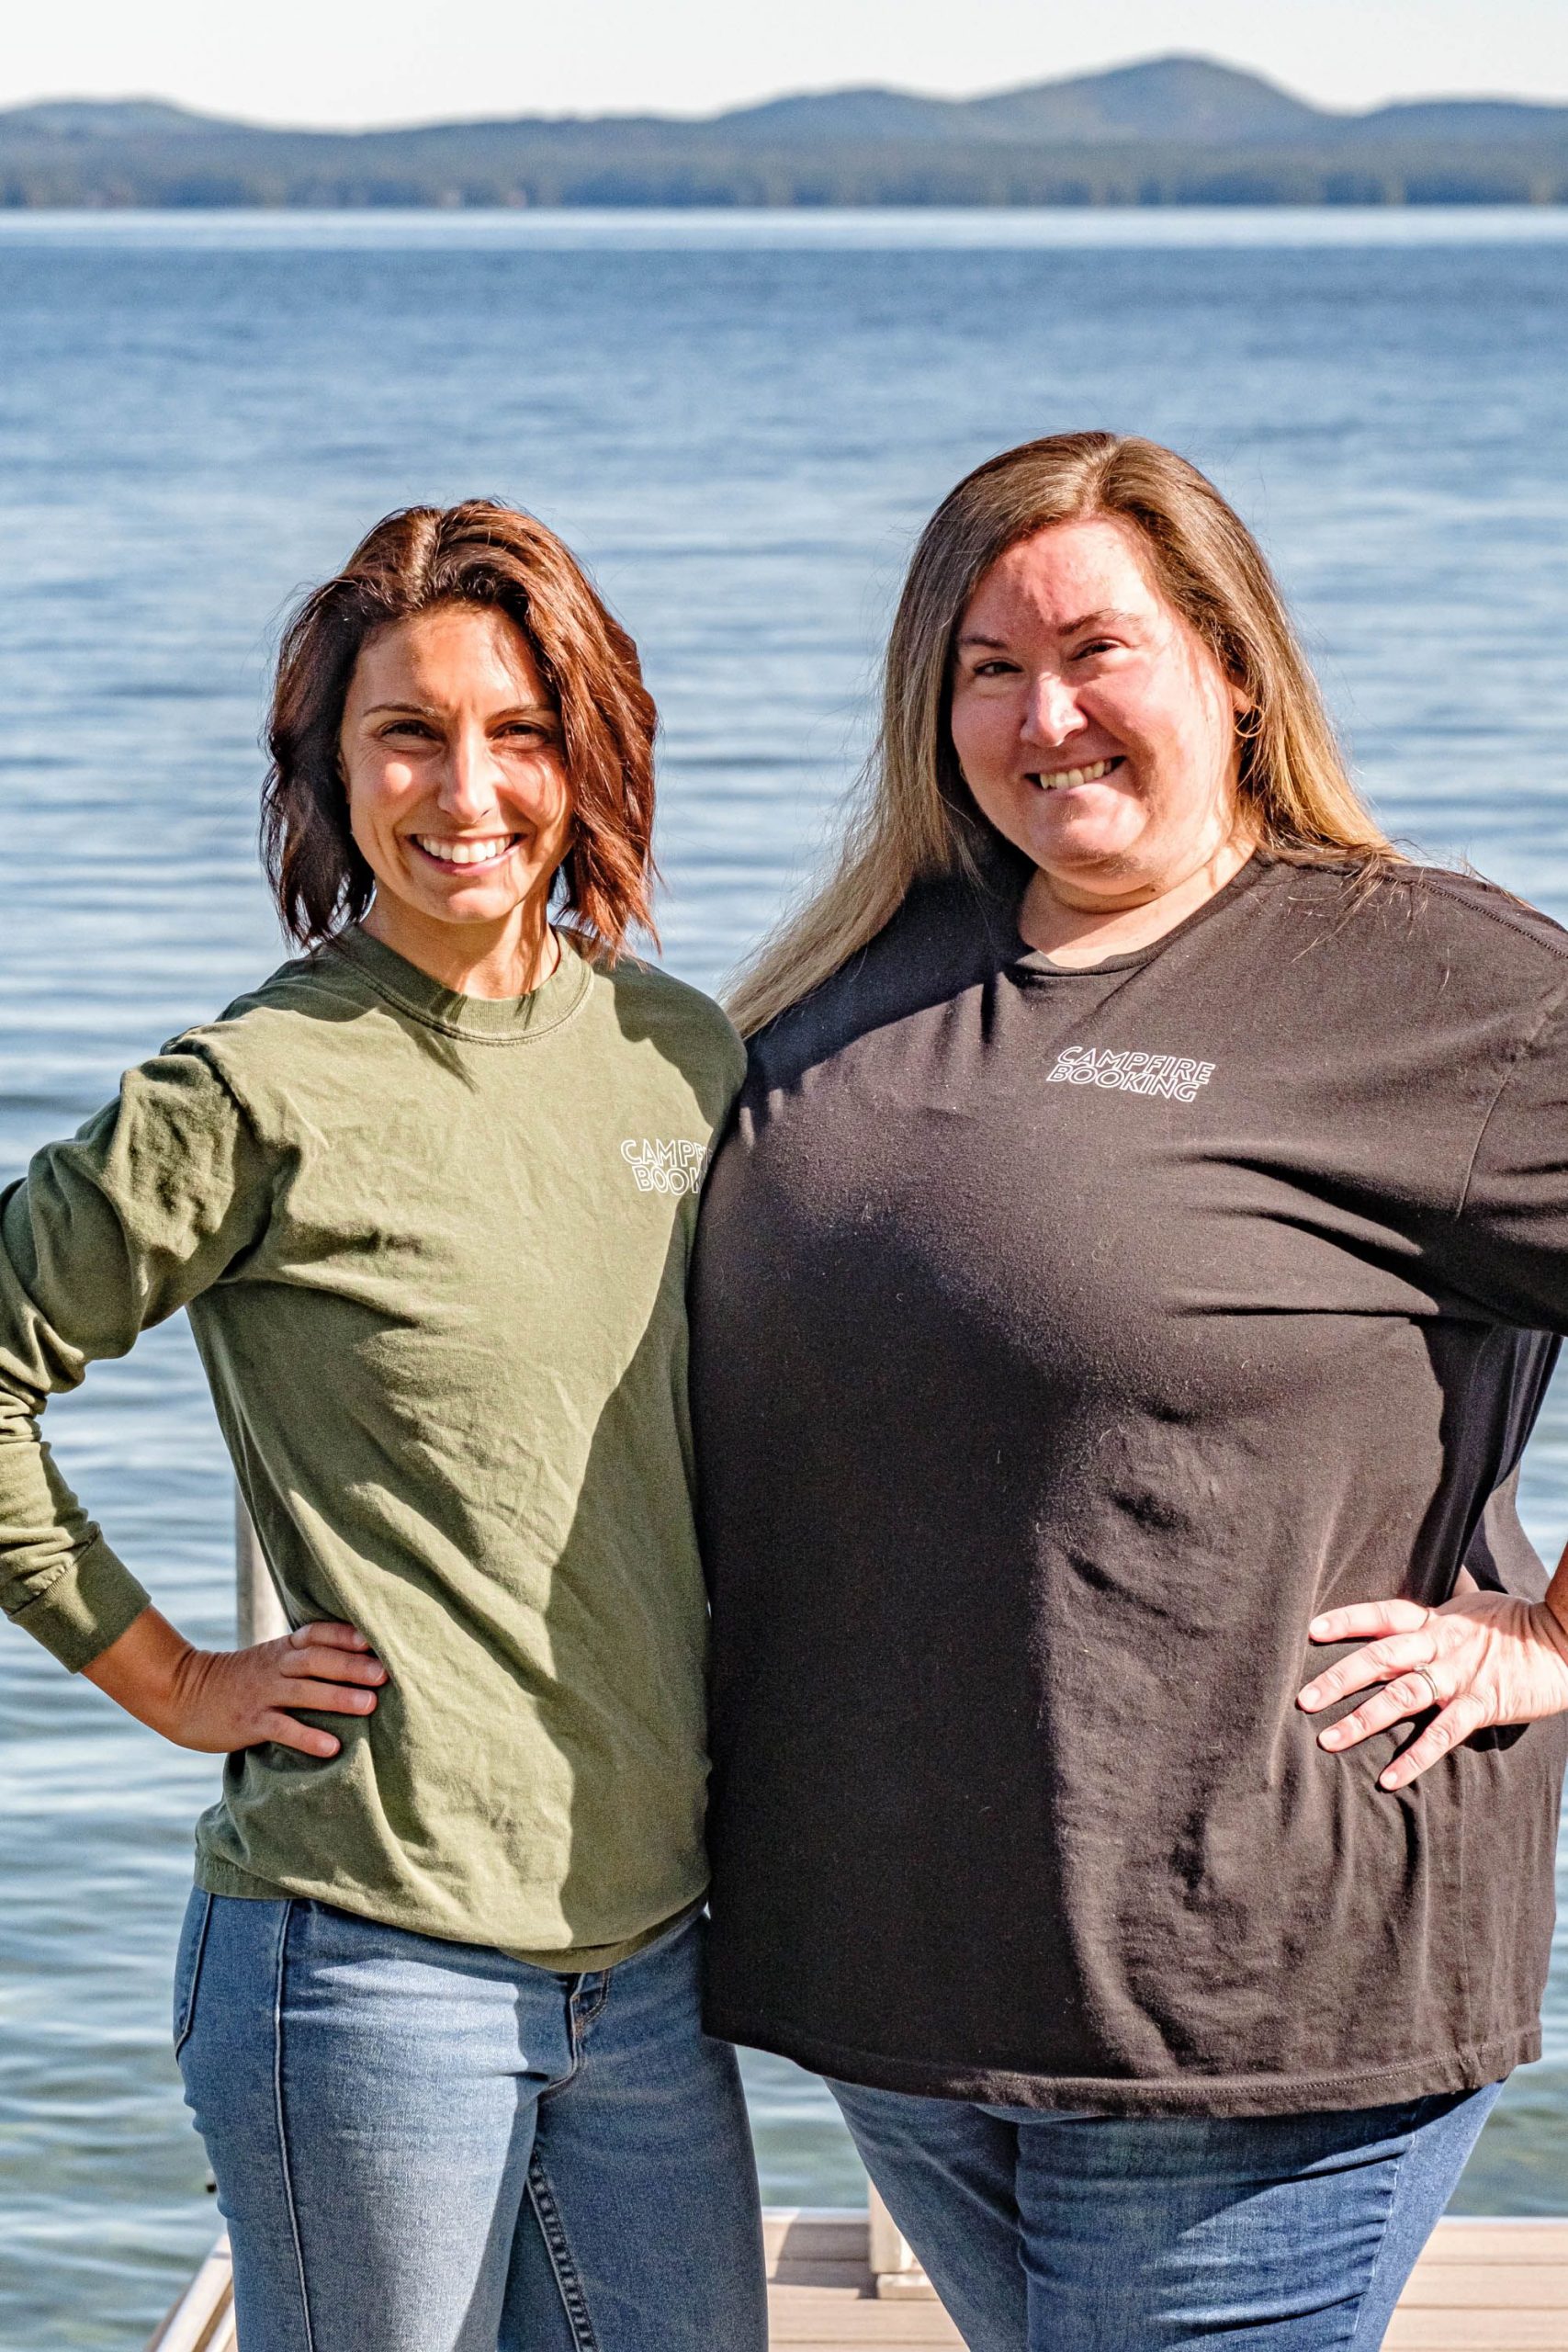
{"x":434,"y":1252}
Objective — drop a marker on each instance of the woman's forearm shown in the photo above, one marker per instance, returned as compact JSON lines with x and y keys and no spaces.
{"x":141,"y":1671}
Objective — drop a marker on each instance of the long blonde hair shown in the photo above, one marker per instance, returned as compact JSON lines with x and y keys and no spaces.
{"x":914,"y":819}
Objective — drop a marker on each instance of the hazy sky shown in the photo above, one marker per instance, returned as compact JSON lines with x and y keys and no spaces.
{"x":353,"y":61}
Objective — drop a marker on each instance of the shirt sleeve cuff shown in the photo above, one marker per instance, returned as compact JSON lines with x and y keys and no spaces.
{"x":90,"y":1604}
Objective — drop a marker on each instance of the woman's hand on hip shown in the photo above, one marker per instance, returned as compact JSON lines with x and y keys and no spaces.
{"x":218,"y":1701}
{"x":1483,"y":1659}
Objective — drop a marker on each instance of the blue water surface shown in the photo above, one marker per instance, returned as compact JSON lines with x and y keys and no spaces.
{"x":740,"y":421}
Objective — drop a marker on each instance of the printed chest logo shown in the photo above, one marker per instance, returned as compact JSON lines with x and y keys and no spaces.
{"x":1169,"y":1076}
{"x":663,"y":1164}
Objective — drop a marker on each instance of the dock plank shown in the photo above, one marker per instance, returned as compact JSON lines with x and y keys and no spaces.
{"x":1461,"y":2238}
{"x":1461,"y":2287}
{"x":846,"y":2318}
{"x":1476,"y":2331}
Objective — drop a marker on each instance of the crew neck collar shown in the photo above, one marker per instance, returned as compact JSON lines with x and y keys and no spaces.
{"x":1037,"y":965}
{"x":494,"y":1021}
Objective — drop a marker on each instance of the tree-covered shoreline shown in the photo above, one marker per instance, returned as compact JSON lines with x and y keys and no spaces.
{"x":1173,"y":131}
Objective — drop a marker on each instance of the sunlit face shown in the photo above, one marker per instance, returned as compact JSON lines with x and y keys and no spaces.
{"x":453,"y":763}
{"x":1095,"y":729}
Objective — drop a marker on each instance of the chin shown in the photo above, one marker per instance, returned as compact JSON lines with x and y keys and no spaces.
{"x":477,"y":902}
{"x":1078,"y":851}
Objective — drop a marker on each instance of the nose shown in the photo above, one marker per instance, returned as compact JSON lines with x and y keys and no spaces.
{"x":470,"y":776}
{"x":1051,"y":713}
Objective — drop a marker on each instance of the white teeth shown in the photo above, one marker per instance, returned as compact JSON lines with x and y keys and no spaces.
{"x":1065,"y":778}
{"x":461,"y":853}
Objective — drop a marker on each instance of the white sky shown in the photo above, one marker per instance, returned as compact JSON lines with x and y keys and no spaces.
{"x":357,"y":62}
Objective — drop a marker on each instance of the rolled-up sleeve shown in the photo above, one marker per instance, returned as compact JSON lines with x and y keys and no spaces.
{"x":157,"y":1198}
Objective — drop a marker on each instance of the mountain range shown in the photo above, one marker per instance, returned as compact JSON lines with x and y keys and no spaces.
{"x":1172,"y":129}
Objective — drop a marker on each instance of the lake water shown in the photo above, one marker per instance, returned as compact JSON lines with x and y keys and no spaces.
{"x":739,"y":421}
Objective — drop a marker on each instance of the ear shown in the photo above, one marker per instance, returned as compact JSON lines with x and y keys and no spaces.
{"x":1249,"y":718}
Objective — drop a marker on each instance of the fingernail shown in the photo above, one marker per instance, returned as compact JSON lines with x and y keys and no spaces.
{"x":1390,"y":1780}
{"x":1331,"y":1737}
{"x":1311,"y":1695}
{"x":1318,"y":1628}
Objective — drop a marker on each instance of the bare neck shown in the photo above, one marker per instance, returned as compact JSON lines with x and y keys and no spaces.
{"x":1078,"y":929}
{"x":495,"y":962}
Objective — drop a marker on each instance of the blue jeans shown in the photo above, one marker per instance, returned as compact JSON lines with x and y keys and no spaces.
{"x":1046,"y":2233}
{"x":427,"y":2147}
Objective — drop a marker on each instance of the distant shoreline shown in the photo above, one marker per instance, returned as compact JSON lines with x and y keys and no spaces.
{"x":1172,"y":131}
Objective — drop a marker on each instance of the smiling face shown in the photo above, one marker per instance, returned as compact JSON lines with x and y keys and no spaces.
{"x":458,"y":795}
{"x":1094,"y":729}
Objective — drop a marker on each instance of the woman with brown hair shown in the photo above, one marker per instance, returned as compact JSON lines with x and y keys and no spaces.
{"x":428,"y":1196}
{"x":1138,"y":1259}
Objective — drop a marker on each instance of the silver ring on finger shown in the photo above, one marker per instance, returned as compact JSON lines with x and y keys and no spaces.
{"x":1426,"y":1678}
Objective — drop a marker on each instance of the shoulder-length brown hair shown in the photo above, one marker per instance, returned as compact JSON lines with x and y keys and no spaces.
{"x":479,"y":553}
{"x":915,"y":817}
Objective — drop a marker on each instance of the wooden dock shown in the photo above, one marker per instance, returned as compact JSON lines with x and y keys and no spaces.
{"x":1481,"y":2287}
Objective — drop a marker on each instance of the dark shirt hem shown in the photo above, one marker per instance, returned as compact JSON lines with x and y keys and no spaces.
{"x":1225,"y":2095}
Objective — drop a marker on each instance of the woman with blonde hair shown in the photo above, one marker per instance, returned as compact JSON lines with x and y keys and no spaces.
{"x":1120,"y":1304}
{"x":436,"y":2001}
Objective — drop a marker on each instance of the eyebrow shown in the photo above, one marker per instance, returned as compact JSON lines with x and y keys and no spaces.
{"x":429,"y":710}
{"x":1068,"y":628}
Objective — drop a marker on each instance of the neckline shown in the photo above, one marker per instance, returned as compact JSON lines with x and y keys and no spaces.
{"x":1034,"y":963}
{"x":490,"y":1021}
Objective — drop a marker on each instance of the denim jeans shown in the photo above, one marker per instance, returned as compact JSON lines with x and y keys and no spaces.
{"x":427,"y":2147}
{"x":1047,"y":2232}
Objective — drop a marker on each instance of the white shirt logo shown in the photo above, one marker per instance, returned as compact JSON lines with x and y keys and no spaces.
{"x":1166,"y":1075}
{"x":664,"y":1165}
